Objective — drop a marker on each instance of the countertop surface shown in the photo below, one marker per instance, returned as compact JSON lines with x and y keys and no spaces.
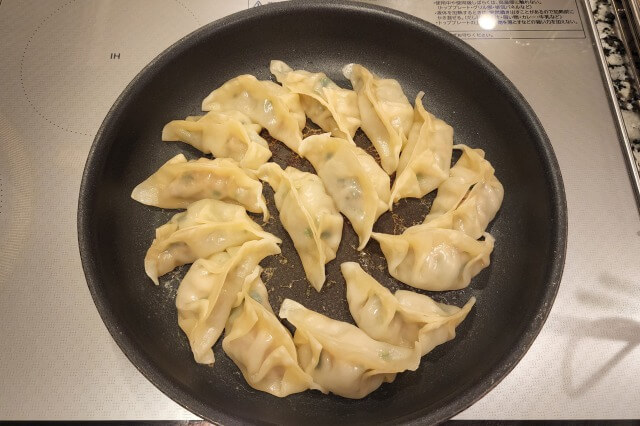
{"x":60,"y":76}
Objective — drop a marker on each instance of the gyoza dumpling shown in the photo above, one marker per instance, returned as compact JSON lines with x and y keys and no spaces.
{"x":470,"y":169}
{"x":261,"y":346}
{"x":385,"y":112}
{"x":265,"y":102}
{"x":473,"y":195}
{"x":406,"y":319}
{"x":206,"y":228}
{"x":359,"y":187}
{"x":425,"y":160}
{"x":179,"y":182}
{"x":473,"y":214}
{"x":237,"y":115}
{"x":210,"y":289}
{"x":309,"y":216}
{"x":331,"y":107}
{"x":224,"y":135}
{"x":433,"y":258}
{"x":340,"y":357}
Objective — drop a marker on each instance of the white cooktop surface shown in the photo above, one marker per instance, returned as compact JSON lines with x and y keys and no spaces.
{"x":63,"y":64}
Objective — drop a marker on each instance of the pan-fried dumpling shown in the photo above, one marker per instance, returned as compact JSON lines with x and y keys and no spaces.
{"x":385,"y":112}
{"x":425,"y":160}
{"x":359,"y":187}
{"x":236,"y":115}
{"x":470,"y":169}
{"x":179,"y":182}
{"x":265,"y":102}
{"x":404,"y":319}
{"x":224,"y":135}
{"x":209,"y":290}
{"x":342,"y":358}
{"x":433,"y":258}
{"x":331,"y":107}
{"x":470,"y":198}
{"x":473,"y":214}
{"x":206,"y":228}
{"x":309,"y":216}
{"x":261,"y":346}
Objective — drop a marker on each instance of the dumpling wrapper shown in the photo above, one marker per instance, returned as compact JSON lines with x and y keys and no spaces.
{"x":210,"y":289}
{"x":385,"y":112}
{"x":309,"y":215}
{"x":470,"y":198}
{"x":358,"y":186}
{"x":404,"y":319}
{"x":179,"y":182}
{"x":435,"y":259}
{"x":340,"y":357}
{"x":261,"y":346}
{"x":206,"y":228}
{"x":225,"y":135}
{"x":331,"y":107}
{"x":425,"y":160}
{"x":266,"y":103}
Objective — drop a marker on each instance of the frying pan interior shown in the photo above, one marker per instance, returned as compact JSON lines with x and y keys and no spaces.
{"x":514,"y":294}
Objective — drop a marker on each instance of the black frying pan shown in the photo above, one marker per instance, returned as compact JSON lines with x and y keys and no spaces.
{"x":514,"y":294}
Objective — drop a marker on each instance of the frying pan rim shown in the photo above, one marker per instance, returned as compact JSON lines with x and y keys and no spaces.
{"x":99,"y":151}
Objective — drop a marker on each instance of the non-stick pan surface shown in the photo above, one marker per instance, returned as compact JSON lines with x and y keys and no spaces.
{"x":514,"y":294}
